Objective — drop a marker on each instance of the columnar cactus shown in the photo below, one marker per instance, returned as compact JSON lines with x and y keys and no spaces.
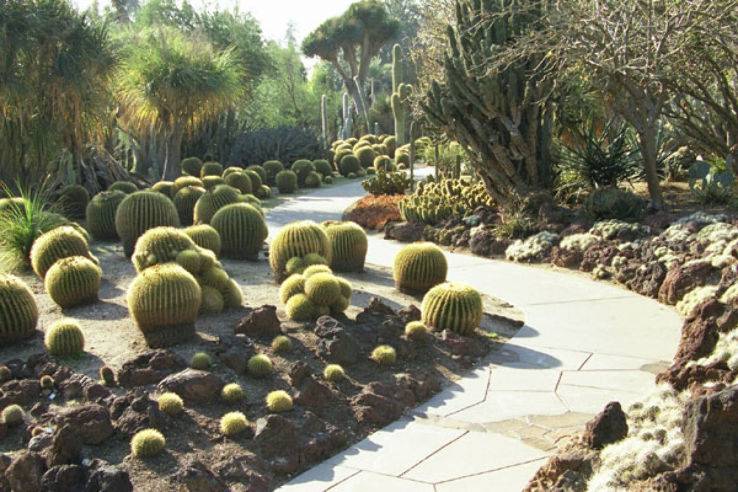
{"x":242,"y":230}
{"x":185,"y":201}
{"x":64,"y":338}
{"x":348,"y":244}
{"x":73,"y":201}
{"x":18,"y":310}
{"x":100,"y":215}
{"x":418,"y":267}
{"x":160,"y":245}
{"x":56,"y":244}
{"x":286,"y":181}
{"x":140,"y":212}
{"x":297,"y":239}
{"x":164,"y":301}
{"x":452,"y":306}
{"x":73,"y":281}
{"x":206,"y":237}
{"x":240,"y":181}
{"x":324,"y":120}
{"x":214,"y":200}
{"x":271,"y":168}
{"x":191,"y":166}
{"x":400,"y":95}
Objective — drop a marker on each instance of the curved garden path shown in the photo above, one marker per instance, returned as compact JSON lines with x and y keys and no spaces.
{"x":584,"y":343}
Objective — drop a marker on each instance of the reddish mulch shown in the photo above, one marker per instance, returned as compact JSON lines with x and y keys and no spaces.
{"x":374,"y":211}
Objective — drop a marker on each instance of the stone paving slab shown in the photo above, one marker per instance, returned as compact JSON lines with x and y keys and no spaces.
{"x":510,"y":479}
{"x":375,"y":482}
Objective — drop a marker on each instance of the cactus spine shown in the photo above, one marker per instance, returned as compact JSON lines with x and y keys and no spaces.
{"x":18,"y":310}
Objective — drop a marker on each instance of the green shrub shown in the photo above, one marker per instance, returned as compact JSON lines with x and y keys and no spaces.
{"x":242,"y":230}
{"x":166,"y":188}
{"x":13,"y":415}
{"x":64,"y":338}
{"x":160,"y":245}
{"x":214,"y":200}
{"x":147,"y":443}
{"x":142,"y":211}
{"x":56,"y":244}
{"x":185,"y":201}
{"x":349,"y":165}
{"x":313,"y":180}
{"x":100,"y":215}
{"x":259,"y":366}
{"x":271,"y":169}
{"x":281,"y":344}
{"x":73,"y":201}
{"x":333,"y":373}
{"x":18,"y":310}
{"x":452,"y":306}
{"x":418,"y":267}
{"x":323,"y":167}
{"x":201,"y":361}
{"x":232,"y":393}
{"x":73,"y":281}
{"x":191,"y":166}
{"x":614,"y":203}
{"x":233,"y":423}
{"x":297,"y":239}
{"x":384,"y":355}
{"x":124,"y":186}
{"x":349,"y":245}
{"x":240,"y":181}
{"x":206,"y":237}
{"x":279,"y":401}
{"x":170,"y":404}
{"x":211,"y":169}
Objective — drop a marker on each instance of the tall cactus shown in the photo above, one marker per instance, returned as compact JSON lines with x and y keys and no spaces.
{"x":400,"y":94}
{"x":492,"y":106}
{"x":324,"y":120}
{"x":347,"y":128}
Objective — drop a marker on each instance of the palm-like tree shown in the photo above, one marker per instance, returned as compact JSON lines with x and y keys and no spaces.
{"x":175,"y":83}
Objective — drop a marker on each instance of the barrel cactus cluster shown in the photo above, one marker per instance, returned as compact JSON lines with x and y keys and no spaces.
{"x":418,"y":267}
{"x":452,"y":306}
{"x":353,"y":157}
{"x":18,"y":310}
{"x":434,"y":202}
{"x":298,"y":239}
{"x":349,"y":245}
{"x":314,"y":293}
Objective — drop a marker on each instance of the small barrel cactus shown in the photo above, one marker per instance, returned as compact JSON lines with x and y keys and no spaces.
{"x":147,"y":443}
{"x":255,"y":168}
{"x":322,"y":288}
{"x":73,"y":201}
{"x":125,"y":186}
{"x":73,"y":281}
{"x":185,"y":201}
{"x":212,"y":301}
{"x":286,"y":181}
{"x":13,"y":415}
{"x":18,"y":310}
{"x":313,"y":180}
{"x":281,"y":344}
{"x":452,"y":306}
{"x":100,"y":215}
{"x":56,"y":244}
{"x":107,"y":376}
{"x":333,"y":373}
{"x":191,"y":166}
{"x":419,"y":266}
{"x":46,"y":382}
{"x":185,"y":182}
{"x":211,"y":168}
{"x":232,"y":393}
{"x":271,"y":169}
{"x":232,"y":295}
{"x":349,"y":165}
{"x":170,"y":403}
{"x":365,"y":155}
{"x":303,"y":168}
{"x":279,"y":401}
{"x":300,"y":308}
{"x":297,"y":239}
{"x":201,"y":361}
{"x":240,"y":181}
{"x":349,"y":245}
{"x":214,"y":200}
{"x":210,"y":182}
{"x":64,"y":338}
{"x":206,"y":237}
{"x":416,"y":330}
{"x":323,"y":167}
{"x":140,"y":212}
{"x":242,"y":230}
{"x":160,"y":245}
{"x":259,"y":366}
{"x":233,"y":423}
{"x":293,"y":285}
{"x":384,"y":355}
{"x":264,"y":192}
{"x":164,"y":301}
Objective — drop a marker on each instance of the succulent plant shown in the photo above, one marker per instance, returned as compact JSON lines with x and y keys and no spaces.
{"x":384,"y":355}
{"x":125,"y":186}
{"x":64,"y":338}
{"x":147,"y":443}
{"x":5,"y":373}
{"x":313,"y":180}
{"x":107,"y":376}
{"x":170,"y":403}
{"x":416,"y":330}
{"x":46,"y":382}
{"x":233,"y":423}
{"x":201,"y":361}
{"x":240,"y":181}
{"x":419,"y":266}
{"x":205,"y":236}
{"x":142,"y":211}
{"x":18,"y":310}
{"x":100,"y":215}
{"x":58,"y":243}
{"x":214,"y":277}
{"x":365,"y":155}
{"x":232,"y":393}
{"x":160,"y":245}
{"x":279,"y":401}
{"x":281,"y":344}
{"x":259,"y":366}
{"x":73,"y":281}
{"x":255,"y":168}
{"x":323,"y":167}
{"x":294,"y":284}
{"x":271,"y":169}
{"x":210,"y":182}
{"x":73,"y":201}
{"x":232,"y":295}
{"x":322,"y":288}
{"x":286,"y":181}
{"x":264,"y":192}
{"x":297,"y":239}
{"x":302,"y":167}
{"x":191,"y":166}
{"x":300,"y":308}
{"x":242,"y":230}
{"x":452,"y":306}
{"x":190,"y":260}
{"x":349,"y":245}
{"x":212,"y":300}
{"x":211,"y":169}
{"x":13,"y":415}
{"x":349,"y":165}
{"x":164,"y":301}
{"x":186,"y":182}
{"x":214,"y":200}
{"x":333,"y":372}
{"x":185,"y":201}
{"x":166,"y":188}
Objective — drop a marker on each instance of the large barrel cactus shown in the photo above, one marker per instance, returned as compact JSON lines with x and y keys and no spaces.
{"x":56,"y":244}
{"x":166,"y":188}
{"x":452,"y":306}
{"x":297,"y":239}
{"x":164,"y":301}
{"x":191,"y":166}
{"x":286,"y":181}
{"x":18,"y":310}
{"x":214,"y":200}
{"x":140,"y":212}
{"x":419,"y":266}
{"x":101,"y":215}
{"x":185,"y":201}
{"x":206,"y":237}
{"x":239,"y":180}
{"x":242,"y":230}
{"x":160,"y":245}
{"x":348,"y":244}
{"x":73,"y":201}
{"x":73,"y":281}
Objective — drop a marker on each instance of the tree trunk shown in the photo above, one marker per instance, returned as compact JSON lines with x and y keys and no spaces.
{"x":174,"y":153}
{"x":649,"y":151}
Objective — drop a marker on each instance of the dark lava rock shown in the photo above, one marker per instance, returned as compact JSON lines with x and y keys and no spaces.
{"x":375,"y":312}
{"x":66,"y":447}
{"x":685,"y":278}
{"x":315,"y":394}
{"x":23,"y":392}
{"x":408,"y":314}
{"x":377,"y":405}
{"x":234,"y":351}
{"x":405,"y":232}
{"x":25,"y":471}
{"x":461,"y":345}
{"x":135,"y":412}
{"x":568,"y":472}
{"x":607,"y":427}
{"x":336,"y":344}
{"x":327,"y":326}
{"x":598,"y":254}
{"x":193,"y":385}
{"x":246,"y":469}
{"x":647,"y":279}
{"x":298,"y":372}
{"x":63,"y":478}
{"x":276,"y":436}
{"x":82,"y":386}
{"x":90,"y":422}
{"x":260,"y":322}
{"x":194,"y":476}
{"x":484,"y":242}
{"x":150,"y":368}
{"x":104,"y":477}
{"x":566,"y":258}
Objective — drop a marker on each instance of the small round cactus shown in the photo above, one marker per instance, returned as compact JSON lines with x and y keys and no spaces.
{"x":210,"y":182}
{"x":215,"y":277}
{"x":286,"y":181}
{"x":418,"y":267}
{"x":302,"y":168}
{"x":297,"y":239}
{"x":242,"y":230}
{"x":13,"y":415}
{"x":349,"y":245}
{"x":73,"y":201}
{"x":100,"y":215}
{"x":18,"y":310}
{"x":323,"y":167}
{"x":232,"y":295}
{"x":185,"y":200}
{"x":147,"y":443}
{"x":185,"y":182}
{"x":212,"y":301}
{"x":295,"y":265}
{"x":170,"y":403}
{"x":232,"y":393}
{"x":64,"y":338}
{"x":452,"y":306}
{"x":349,"y":165}
{"x":365,"y":155}
{"x":142,"y":211}
{"x":240,"y":181}
{"x":73,"y":281}
{"x":107,"y":376}
{"x":313,"y":180}
{"x":46,"y":382}
{"x":281,"y":344}
{"x":206,"y":237}
{"x":160,"y":245}
{"x":56,"y":244}
{"x":315,"y":269}
{"x":271,"y":169}
{"x":190,"y":260}
{"x":300,"y":308}
{"x":211,"y":169}
{"x":191,"y":166}
{"x":384,"y":355}
{"x":260,"y":366}
{"x":214,"y":200}
{"x":201,"y":361}
{"x":328,"y":180}
{"x":322,"y":288}
{"x":295,"y":284}
{"x":333,"y":373}
{"x":264,"y":192}
{"x":254,"y":176}
{"x":279,"y":401}
{"x":416,"y":330}
{"x":125,"y":186}
{"x":233,"y":423}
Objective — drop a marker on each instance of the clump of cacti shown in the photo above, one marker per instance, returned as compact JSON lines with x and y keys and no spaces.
{"x":297,"y":239}
{"x":185,"y":182}
{"x":279,"y":401}
{"x":452,"y":306}
{"x":201,"y":361}
{"x":259,"y":366}
{"x":286,"y":181}
{"x":13,"y":415}
{"x":300,"y":308}
{"x":107,"y":376}
{"x":191,"y":166}
{"x":170,"y":403}
{"x":73,"y":201}
{"x":433,"y":202}
{"x":212,"y":301}
{"x":239,"y":180}
{"x":271,"y":169}
{"x":232,"y":393}
{"x":64,"y":338}
{"x":58,"y":243}
{"x":211,"y":168}
{"x":384,"y":163}
{"x":160,"y":245}
{"x":299,"y":264}
{"x":302,"y":167}
{"x":384,"y":355}
{"x":349,"y":245}
{"x":206,"y":237}
{"x":164,"y":301}
{"x":264,"y":192}
{"x":185,"y":200}
{"x":281,"y":344}
{"x":125,"y":186}
{"x":416,"y":330}
{"x":315,"y":293}
{"x":418,"y":267}
{"x":333,"y":373}
{"x":100,"y":215}
{"x":365,"y":155}
{"x":255,"y":168}
{"x":142,"y":211}
{"x":18,"y":310}
{"x":210,"y":182}
{"x":214,"y":200}
{"x":147,"y":443}
{"x":323,"y":167}
{"x":293,"y":285}
{"x":73,"y":281}
{"x":233,"y":423}
{"x":242,"y":230}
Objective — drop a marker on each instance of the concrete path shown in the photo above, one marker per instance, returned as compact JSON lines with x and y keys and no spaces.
{"x":584,"y":343}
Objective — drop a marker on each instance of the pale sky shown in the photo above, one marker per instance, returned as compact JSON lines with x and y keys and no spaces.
{"x":273,"y":15}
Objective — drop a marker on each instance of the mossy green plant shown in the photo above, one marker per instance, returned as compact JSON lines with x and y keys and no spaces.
{"x":233,"y":423}
{"x":147,"y":443}
{"x":73,"y":281}
{"x":18,"y":310}
{"x":242,"y":230}
{"x":281,"y":344}
{"x":100,"y":215}
{"x":142,"y":211}
{"x":384,"y":355}
{"x":201,"y":361}
{"x":418,"y":267}
{"x":333,"y":373}
{"x":232,"y":393}
{"x":170,"y":403}
{"x":279,"y":401}
{"x":260,"y":366}
{"x":349,"y":245}
{"x":13,"y":415}
{"x":64,"y":338}
{"x":452,"y":306}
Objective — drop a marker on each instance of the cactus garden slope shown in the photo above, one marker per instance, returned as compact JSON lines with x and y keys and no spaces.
{"x":584,"y":344}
